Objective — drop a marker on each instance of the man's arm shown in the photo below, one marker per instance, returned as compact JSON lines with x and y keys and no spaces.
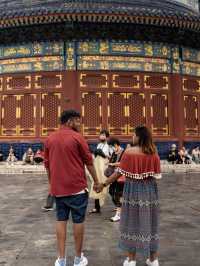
{"x":93,"y":173}
{"x":88,"y":161}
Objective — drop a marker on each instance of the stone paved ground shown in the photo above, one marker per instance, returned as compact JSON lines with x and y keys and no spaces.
{"x":27,"y":234}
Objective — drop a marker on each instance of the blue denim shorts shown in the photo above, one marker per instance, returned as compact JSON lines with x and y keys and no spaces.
{"x":75,"y":204}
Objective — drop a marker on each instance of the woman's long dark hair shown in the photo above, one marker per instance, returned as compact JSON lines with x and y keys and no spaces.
{"x":145,"y":140}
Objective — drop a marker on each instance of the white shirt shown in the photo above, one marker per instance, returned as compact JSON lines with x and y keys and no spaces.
{"x":105,"y":148}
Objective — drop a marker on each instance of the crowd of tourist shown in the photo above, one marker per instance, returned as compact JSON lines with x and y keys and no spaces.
{"x":29,"y":157}
{"x":105,"y":152}
{"x":183,"y":155}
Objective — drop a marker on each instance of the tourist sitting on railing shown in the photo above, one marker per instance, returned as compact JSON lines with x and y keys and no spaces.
{"x":184,"y":157}
{"x":11,"y":156}
{"x":188,"y":157}
{"x":173,"y":154}
{"x":1,"y":156}
{"x":28,"y":156}
{"x":129,"y":145}
{"x":196,"y":155}
{"x":39,"y":156}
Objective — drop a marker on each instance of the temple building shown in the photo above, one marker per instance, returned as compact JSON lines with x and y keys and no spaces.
{"x":121,"y":63}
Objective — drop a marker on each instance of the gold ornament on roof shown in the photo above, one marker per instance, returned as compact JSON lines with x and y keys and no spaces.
{"x":149,"y":50}
{"x":84,"y":46}
{"x":24,"y":50}
{"x":104,"y":47}
{"x":164,"y":50}
{"x":37,"y":48}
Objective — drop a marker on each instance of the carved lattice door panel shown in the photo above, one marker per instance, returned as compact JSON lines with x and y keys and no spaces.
{"x":125,"y":81}
{"x":50,"y":112}
{"x":136,"y":110}
{"x":191,"y":84}
{"x":91,"y":112}
{"x":191,"y":115}
{"x":117,"y":117}
{"x":27,"y":115}
{"x":18,"y":82}
{"x":48,"y":81}
{"x":93,"y":81}
{"x":9,"y":115}
{"x":156,"y":82}
{"x":159,"y":114}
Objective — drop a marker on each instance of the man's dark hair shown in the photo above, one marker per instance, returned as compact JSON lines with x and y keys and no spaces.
{"x":67,"y":115}
{"x":104,"y":131}
{"x":113,"y":141}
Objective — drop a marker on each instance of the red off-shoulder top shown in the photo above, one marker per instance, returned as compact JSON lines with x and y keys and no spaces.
{"x":139,"y":165}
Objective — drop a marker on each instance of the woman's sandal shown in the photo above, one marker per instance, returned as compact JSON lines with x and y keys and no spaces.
{"x":94,"y":211}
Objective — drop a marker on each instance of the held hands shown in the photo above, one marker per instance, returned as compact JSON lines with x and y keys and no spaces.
{"x":98,"y":187}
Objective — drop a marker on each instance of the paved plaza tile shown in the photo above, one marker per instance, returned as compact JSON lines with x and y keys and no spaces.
{"x":27,"y":234}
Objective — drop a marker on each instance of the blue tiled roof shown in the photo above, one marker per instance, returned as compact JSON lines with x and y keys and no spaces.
{"x":157,"y":12}
{"x":12,"y":8}
{"x":152,"y":7}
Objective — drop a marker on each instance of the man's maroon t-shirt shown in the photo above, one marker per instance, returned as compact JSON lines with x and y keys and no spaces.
{"x":66,"y":153}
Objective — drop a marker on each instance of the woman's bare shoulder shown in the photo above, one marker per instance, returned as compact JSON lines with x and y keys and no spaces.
{"x":134,"y":150}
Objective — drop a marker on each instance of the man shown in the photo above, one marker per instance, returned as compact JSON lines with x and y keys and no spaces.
{"x":66,"y":154}
{"x":173,"y":154}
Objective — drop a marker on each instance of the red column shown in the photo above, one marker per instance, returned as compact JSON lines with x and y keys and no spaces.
{"x":71,"y":92}
{"x":177,"y":107}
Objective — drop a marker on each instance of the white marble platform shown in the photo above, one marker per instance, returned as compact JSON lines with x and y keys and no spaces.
{"x":19,"y":168}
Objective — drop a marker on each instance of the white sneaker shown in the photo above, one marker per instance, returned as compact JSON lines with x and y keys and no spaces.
{"x":129,"y":263}
{"x":60,"y":262}
{"x":115,"y":218}
{"x":83,"y":262}
{"x":152,"y":263}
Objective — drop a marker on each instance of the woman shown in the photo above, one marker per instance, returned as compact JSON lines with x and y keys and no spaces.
{"x":195,"y":155}
{"x":11,"y":156}
{"x":28,"y":156}
{"x":116,"y":188}
{"x":102,"y":155}
{"x":39,"y":156}
{"x":140,"y":207}
{"x":183,"y":156}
